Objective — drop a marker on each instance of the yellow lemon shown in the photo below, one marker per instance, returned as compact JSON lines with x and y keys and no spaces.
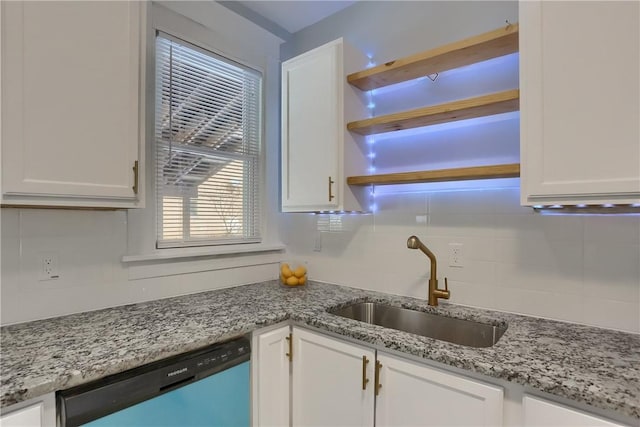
{"x":300,"y":271}
{"x":301,"y":280}
{"x":292,"y":281}
{"x":286,"y":271}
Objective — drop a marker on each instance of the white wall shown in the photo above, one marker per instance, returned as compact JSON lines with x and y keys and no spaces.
{"x":392,"y":29}
{"x":90,"y":245}
{"x":573,"y":268}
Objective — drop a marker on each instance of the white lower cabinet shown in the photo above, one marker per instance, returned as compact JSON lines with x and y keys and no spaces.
{"x":36,"y":412}
{"x":331,"y":382}
{"x":412,"y":394}
{"x":334,"y":383}
{"x":543,"y":413}
{"x":30,"y":416}
{"x":271,"y":377}
{"x":327,"y":381}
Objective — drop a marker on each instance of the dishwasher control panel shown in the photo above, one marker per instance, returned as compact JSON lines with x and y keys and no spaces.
{"x":205,"y":362}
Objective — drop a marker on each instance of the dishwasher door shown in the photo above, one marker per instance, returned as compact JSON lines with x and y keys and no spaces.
{"x":209,"y":387}
{"x":218,"y":400}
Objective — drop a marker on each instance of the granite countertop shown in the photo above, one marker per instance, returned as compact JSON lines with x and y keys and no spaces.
{"x":586,"y":364}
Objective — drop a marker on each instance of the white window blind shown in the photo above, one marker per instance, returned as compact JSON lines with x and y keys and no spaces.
{"x":207,"y":134}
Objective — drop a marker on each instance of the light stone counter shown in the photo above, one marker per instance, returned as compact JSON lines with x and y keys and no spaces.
{"x":594,"y":366}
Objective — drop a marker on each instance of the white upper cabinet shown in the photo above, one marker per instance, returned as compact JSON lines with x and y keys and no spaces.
{"x":317,"y":150}
{"x":71,"y":103}
{"x":580,"y":102}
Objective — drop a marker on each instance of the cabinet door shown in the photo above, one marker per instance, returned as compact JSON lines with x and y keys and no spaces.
{"x":312,"y":130}
{"x":30,"y":416}
{"x":580,"y":102}
{"x":328,"y":382}
{"x":271,"y":378}
{"x":416,"y":395}
{"x":541,"y":413}
{"x":70,"y":99}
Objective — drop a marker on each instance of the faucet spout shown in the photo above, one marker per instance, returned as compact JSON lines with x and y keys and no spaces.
{"x":414,"y":243}
{"x":434,"y":292}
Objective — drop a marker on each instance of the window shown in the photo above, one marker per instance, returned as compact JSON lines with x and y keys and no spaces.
{"x":207,"y":144}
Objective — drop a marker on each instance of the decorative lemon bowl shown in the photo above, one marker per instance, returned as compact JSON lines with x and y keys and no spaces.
{"x":292,"y":275}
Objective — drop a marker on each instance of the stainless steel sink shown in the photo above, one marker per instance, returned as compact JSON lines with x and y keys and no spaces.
{"x":457,"y":331}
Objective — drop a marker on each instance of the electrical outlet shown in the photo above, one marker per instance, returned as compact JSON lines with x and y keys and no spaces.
{"x":456,"y":258}
{"x":317,"y":244}
{"x":48,"y":263}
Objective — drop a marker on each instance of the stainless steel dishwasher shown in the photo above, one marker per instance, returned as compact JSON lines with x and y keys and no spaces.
{"x":206,"y":387}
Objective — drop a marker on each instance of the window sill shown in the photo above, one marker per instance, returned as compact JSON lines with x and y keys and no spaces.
{"x":172,"y":262}
{"x":181,"y":253}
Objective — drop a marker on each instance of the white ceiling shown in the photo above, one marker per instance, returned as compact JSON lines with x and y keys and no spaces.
{"x":296,"y":15}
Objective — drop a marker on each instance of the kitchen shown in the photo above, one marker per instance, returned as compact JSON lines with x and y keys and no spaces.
{"x":578,"y":269}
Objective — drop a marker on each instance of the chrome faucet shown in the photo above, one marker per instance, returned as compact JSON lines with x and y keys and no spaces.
{"x":434,"y":293}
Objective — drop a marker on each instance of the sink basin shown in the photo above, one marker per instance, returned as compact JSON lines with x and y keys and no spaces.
{"x":457,"y":331}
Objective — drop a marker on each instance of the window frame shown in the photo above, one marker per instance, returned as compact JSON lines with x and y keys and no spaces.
{"x":260,"y":161}
{"x":220,"y":31}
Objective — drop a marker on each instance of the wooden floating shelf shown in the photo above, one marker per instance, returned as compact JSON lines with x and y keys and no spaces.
{"x":487,"y":105}
{"x":457,"y":174}
{"x":493,"y":44}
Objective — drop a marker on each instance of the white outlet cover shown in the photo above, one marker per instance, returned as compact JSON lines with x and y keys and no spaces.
{"x":456,"y":255}
{"x":48,"y":266}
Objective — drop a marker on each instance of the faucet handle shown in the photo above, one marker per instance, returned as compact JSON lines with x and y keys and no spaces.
{"x":444,"y":293}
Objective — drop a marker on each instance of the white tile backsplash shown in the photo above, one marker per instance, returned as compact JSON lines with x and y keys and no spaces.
{"x":473,"y":203}
{"x":461,"y":225}
{"x":562,"y":267}
{"x":515,"y":260}
{"x":611,"y":314}
{"x":401,"y":212}
{"x":89,"y":246}
{"x":618,"y":229}
{"x":617,"y":266}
